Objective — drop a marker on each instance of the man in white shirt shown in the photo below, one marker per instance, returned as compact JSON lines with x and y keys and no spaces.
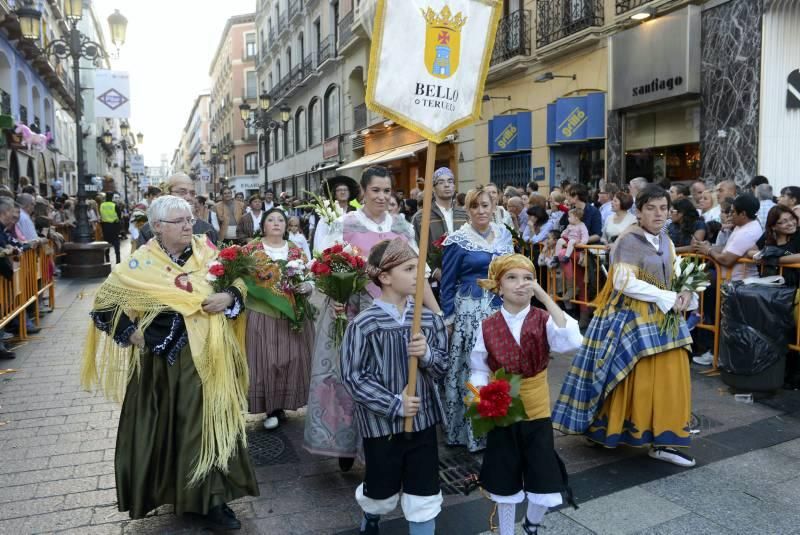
{"x":605,"y":197}
{"x":269,"y":197}
{"x":25,"y":227}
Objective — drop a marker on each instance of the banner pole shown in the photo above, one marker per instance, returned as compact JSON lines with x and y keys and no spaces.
{"x":425,"y":227}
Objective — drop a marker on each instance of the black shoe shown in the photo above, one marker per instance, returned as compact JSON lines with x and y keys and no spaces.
{"x":346,"y":463}
{"x":370,"y":527}
{"x":529,"y":527}
{"x":34,"y":329}
{"x":280,"y":414}
{"x":7,"y":355}
{"x":222,"y":517}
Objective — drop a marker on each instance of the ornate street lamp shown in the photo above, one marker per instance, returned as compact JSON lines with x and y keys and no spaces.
{"x":107,"y":138}
{"x":76,"y":46}
{"x":139,"y":138}
{"x":261,"y":119}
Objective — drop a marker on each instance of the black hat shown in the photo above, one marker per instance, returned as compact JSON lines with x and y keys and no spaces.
{"x":328,"y":187}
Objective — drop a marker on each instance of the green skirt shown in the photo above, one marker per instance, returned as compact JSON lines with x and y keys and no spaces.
{"x":159,"y":439}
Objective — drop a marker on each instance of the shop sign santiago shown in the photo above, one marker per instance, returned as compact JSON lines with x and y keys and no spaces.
{"x":429,"y":60}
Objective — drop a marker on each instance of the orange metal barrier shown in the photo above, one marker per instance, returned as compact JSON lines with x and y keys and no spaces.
{"x":33,"y":276}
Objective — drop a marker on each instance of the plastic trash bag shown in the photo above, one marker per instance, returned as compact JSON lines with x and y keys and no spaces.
{"x":756,"y":323}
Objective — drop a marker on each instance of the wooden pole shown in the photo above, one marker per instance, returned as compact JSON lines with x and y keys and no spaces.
{"x":424,"y":233}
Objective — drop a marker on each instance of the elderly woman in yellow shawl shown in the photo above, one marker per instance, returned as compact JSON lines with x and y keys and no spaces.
{"x":172,"y":345}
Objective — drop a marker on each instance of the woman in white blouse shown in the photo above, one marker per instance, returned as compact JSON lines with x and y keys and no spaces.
{"x":620,"y":219}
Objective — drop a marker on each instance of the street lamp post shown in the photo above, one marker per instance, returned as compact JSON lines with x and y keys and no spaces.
{"x":123,"y":130}
{"x":75,"y":46}
{"x":262,"y":120}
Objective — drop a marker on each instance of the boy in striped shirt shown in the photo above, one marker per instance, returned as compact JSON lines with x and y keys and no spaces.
{"x":375,"y":351}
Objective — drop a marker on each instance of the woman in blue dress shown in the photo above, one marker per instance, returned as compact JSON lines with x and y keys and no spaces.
{"x":467,"y":255}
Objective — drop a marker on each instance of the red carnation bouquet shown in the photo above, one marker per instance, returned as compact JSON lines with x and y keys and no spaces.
{"x":497,"y":404}
{"x":232,"y":263}
{"x":339,"y":273}
{"x":436,"y":253}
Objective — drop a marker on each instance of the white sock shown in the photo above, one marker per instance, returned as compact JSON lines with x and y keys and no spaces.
{"x":505,"y":518}
{"x":536,"y":513}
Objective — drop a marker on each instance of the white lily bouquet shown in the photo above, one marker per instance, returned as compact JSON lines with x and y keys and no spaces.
{"x":327,"y":210}
{"x":688,"y":275}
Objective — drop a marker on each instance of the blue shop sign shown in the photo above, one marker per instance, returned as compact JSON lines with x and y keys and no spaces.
{"x":537,"y":174}
{"x":575,"y":119}
{"x":509,"y":133}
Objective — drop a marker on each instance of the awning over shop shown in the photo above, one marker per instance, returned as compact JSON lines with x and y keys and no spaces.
{"x":397,"y":153}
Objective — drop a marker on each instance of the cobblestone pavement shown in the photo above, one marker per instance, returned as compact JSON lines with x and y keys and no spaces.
{"x":57,"y":449}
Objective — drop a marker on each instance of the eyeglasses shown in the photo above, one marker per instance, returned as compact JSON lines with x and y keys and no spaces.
{"x":184,"y":191}
{"x":182,"y":221}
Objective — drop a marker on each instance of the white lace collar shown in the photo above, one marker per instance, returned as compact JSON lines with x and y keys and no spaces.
{"x":469,"y":239}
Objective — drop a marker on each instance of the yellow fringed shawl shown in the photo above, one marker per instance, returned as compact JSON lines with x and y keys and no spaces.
{"x":151,"y":283}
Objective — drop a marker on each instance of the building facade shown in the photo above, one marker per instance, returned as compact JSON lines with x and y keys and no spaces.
{"x":191,"y":156}
{"x":581,"y":90}
{"x":39,"y":94}
{"x":313,"y":59}
{"x":234,"y":81}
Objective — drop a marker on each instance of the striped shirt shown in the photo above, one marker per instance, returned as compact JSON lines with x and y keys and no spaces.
{"x":375,"y":368}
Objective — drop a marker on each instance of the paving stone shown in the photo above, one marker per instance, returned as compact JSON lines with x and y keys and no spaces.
{"x":89,"y":417}
{"x":17,"y":493}
{"x":722,"y":500}
{"x":49,"y":421}
{"x":22,"y":465}
{"x":65,"y":411}
{"x":104,"y":529}
{"x":36,"y":476}
{"x":94,"y":469}
{"x":691,"y":523}
{"x":32,"y":507}
{"x":625,"y":511}
{"x":100,"y":444}
{"x":59,"y":448}
{"x":93,"y":498}
{"x":765,"y":466}
{"x":106,"y":482}
{"x":49,"y":522}
{"x":790,"y":448}
{"x":63,"y":428}
{"x":29,"y":442}
{"x":76,"y":459}
{"x":66,"y":486}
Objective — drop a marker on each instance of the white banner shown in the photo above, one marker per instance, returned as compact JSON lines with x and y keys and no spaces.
{"x":112,"y":94}
{"x":429,"y":61}
{"x":205,"y":174}
{"x":137,"y":164}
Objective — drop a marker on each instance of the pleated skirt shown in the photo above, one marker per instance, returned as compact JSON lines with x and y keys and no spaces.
{"x":651,"y":406}
{"x":280,"y":363}
{"x":160,"y":428}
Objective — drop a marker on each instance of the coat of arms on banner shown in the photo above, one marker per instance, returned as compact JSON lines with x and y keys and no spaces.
{"x":429,"y":60}
{"x":442,"y":41}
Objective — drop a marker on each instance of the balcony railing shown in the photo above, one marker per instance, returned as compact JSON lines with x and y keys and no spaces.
{"x":346,"y":29}
{"x":513,"y":37}
{"x":308,"y":65}
{"x":5,"y":103}
{"x":326,"y":50}
{"x":271,"y":36}
{"x":627,"y":5}
{"x":359,"y":117}
{"x":283,"y":22}
{"x":23,"y":114}
{"x":556,"y":19}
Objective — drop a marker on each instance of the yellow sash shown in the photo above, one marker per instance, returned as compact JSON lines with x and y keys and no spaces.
{"x":535,"y":395}
{"x":151,"y":283}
